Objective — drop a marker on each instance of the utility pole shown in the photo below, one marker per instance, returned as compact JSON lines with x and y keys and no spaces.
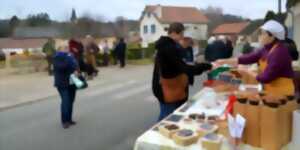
{"x":279,"y":7}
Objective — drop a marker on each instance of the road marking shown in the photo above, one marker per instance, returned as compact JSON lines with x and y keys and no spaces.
{"x":131,"y":92}
{"x":110,"y":88}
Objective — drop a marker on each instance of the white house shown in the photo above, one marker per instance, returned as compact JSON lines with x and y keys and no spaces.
{"x":156,"y":19}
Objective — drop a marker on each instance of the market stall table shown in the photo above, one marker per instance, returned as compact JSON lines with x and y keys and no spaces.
{"x":154,"y":140}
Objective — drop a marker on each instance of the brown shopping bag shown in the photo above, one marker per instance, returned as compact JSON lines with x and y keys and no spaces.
{"x":271,"y":126}
{"x":252,"y":130}
{"x":174,"y":89}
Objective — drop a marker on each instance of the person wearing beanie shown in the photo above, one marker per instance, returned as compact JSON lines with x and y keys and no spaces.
{"x":275,"y":63}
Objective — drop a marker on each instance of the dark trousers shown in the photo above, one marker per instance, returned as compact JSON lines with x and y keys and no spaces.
{"x":122,"y":61}
{"x":67,"y":100}
{"x":105,"y":59}
{"x":81,"y":64}
{"x":50,"y":64}
{"x":167,"y":108}
{"x":114,"y":57}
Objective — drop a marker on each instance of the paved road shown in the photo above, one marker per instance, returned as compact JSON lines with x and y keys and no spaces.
{"x":110,"y":116}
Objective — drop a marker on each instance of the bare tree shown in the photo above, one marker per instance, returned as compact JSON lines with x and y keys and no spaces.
{"x":217,"y":17}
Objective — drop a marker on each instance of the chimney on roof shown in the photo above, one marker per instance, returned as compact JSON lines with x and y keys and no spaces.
{"x":158,"y":11}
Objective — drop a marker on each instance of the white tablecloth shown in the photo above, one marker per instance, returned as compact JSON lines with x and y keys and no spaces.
{"x":153,"y":140}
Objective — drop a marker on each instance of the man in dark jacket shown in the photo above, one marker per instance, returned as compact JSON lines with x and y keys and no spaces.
{"x":216,"y":50}
{"x":187,"y":50}
{"x":291,"y":45}
{"x":121,"y":52}
{"x":169,"y":65}
{"x":209,"y":50}
{"x":229,"y":48}
{"x":65,"y":65}
{"x":220,"y":50}
{"x":188,"y":55}
{"x":247,"y":48}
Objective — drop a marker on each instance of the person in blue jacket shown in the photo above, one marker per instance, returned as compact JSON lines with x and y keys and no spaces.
{"x":65,"y":65}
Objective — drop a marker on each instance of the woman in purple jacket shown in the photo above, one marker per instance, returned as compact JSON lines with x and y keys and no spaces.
{"x":275,"y":63}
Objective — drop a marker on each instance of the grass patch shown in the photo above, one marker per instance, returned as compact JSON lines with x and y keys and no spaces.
{"x":146,"y":61}
{"x":2,"y":64}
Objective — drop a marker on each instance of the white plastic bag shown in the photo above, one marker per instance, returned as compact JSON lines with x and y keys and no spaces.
{"x":75,"y":80}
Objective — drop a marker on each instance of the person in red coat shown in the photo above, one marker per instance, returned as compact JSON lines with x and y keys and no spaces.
{"x":77,"y":49}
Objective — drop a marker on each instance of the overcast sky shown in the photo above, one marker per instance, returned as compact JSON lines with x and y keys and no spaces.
{"x":131,"y":9}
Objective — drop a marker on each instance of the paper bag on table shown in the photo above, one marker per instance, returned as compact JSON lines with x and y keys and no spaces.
{"x":240,"y":108}
{"x":252,"y":130}
{"x":285,"y":123}
{"x":236,"y":126}
{"x":271,"y":138}
{"x":291,"y":105}
{"x":296,"y":130}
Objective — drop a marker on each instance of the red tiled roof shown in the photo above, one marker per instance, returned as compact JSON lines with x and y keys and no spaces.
{"x":21,"y":43}
{"x":178,"y":14}
{"x":230,"y":28}
{"x":150,"y":8}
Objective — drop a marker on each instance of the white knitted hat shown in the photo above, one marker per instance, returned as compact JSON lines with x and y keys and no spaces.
{"x":275,"y":28}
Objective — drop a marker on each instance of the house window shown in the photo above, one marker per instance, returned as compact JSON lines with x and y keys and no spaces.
{"x":153,"y":29}
{"x":149,"y":15}
{"x":145,"y":29}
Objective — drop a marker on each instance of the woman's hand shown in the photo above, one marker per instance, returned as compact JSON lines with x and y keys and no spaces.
{"x":253,"y":74}
{"x":214,"y":66}
{"x":231,"y":61}
{"x":247,"y":70}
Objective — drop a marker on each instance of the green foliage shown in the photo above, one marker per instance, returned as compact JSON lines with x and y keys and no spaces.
{"x":150,"y":50}
{"x":270,"y":16}
{"x":26,"y":52}
{"x":133,"y":46}
{"x":203,"y":43}
{"x":41,"y":19}
{"x":134,"y":53}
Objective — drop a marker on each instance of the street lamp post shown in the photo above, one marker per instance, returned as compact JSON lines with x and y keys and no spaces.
{"x":279,"y":6}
